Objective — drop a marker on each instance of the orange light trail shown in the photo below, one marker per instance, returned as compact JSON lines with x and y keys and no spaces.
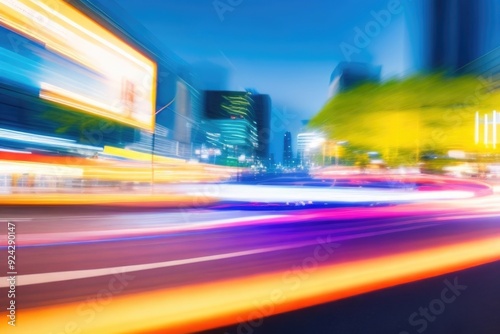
{"x":137,"y":169}
{"x":215,"y":304}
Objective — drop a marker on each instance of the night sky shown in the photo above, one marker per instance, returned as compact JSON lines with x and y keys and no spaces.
{"x":285,"y":49}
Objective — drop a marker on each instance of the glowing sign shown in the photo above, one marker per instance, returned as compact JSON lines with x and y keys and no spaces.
{"x":78,"y":63}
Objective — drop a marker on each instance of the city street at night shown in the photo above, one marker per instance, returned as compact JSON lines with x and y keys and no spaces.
{"x":249,"y":167}
{"x":178,"y":270}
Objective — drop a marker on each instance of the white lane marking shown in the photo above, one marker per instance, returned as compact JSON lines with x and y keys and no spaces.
{"x":13,"y":219}
{"x":52,"y":277}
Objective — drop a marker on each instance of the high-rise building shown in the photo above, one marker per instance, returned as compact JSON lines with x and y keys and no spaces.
{"x":231,"y":116}
{"x":262,"y":108}
{"x":239,"y":122}
{"x":287,"y":149}
{"x":454,"y":35}
{"x":348,"y":75}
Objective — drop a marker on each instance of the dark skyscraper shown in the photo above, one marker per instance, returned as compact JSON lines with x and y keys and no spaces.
{"x":453,"y":39}
{"x":232,"y":116}
{"x":239,"y":120}
{"x":450,"y":35}
{"x":262,"y":108}
{"x":287,"y":149}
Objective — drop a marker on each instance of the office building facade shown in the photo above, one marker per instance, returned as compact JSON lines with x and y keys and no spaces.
{"x":238,"y":124}
{"x":231,"y":124}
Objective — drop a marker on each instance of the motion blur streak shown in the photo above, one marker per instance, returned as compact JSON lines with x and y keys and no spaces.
{"x":63,"y":276}
{"x":209,"y":305}
{"x":45,"y":180}
{"x":76,"y":37}
{"x":81,"y":236}
{"x":290,"y":193}
{"x":136,"y":199}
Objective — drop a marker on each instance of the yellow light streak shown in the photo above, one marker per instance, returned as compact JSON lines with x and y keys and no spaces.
{"x":196,"y":307}
{"x":140,"y":156}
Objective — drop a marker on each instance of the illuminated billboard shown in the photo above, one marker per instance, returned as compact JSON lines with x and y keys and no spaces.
{"x":76,"y":62}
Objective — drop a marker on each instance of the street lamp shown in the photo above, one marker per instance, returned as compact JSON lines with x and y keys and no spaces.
{"x":153,"y":145}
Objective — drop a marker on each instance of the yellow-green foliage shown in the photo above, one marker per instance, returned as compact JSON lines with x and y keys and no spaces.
{"x":402,"y":118}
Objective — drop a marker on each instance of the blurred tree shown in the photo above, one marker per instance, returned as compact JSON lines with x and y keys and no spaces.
{"x":402,"y":119}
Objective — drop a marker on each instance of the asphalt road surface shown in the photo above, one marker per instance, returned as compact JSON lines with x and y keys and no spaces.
{"x":101,"y":270}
